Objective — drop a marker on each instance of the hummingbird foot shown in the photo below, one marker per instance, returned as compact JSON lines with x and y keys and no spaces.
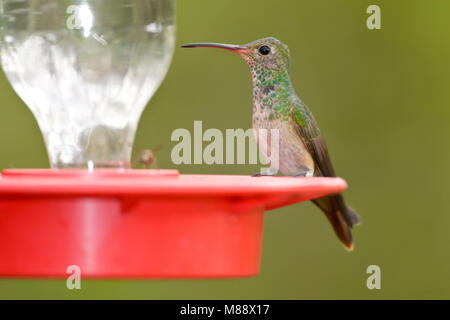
{"x":263,"y":174}
{"x":305,"y":172}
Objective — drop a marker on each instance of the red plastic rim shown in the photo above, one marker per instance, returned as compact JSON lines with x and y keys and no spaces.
{"x":85,"y":173}
{"x":157,"y":182}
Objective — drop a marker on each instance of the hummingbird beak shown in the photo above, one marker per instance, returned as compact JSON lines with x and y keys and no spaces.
{"x":229,"y":47}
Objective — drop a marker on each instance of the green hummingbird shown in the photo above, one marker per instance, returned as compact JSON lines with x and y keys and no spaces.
{"x":302,"y":149}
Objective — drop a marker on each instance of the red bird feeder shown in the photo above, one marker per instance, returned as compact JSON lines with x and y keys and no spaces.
{"x":140,"y":223}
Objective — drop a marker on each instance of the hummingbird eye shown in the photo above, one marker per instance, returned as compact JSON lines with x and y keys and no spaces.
{"x":264,"y":50}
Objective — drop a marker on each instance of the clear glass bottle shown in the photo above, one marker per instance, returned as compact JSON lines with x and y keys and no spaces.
{"x":87,"y":69}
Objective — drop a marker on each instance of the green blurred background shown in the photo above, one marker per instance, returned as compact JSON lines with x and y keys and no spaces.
{"x":381,"y":98}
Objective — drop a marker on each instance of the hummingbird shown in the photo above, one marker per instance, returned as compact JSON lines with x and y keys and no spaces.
{"x":302,"y":149}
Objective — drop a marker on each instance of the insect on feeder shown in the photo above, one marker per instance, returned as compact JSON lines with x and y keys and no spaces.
{"x":86,"y":69}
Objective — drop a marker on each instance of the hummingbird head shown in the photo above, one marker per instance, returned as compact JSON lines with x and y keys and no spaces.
{"x":268,"y":53}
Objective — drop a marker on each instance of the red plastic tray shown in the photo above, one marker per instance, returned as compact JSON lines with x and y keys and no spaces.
{"x":140,"y":223}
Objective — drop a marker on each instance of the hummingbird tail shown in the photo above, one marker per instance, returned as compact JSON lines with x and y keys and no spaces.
{"x":341,"y":217}
{"x":341,"y":229}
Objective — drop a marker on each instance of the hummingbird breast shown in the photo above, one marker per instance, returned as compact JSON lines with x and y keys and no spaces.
{"x":293,"y":156}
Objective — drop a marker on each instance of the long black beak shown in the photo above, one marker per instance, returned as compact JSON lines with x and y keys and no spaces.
{"x":229,"y":47}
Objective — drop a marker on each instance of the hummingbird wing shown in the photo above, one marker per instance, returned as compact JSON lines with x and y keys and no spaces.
{"x":341,"y":216}
{"x":312,"y":138}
